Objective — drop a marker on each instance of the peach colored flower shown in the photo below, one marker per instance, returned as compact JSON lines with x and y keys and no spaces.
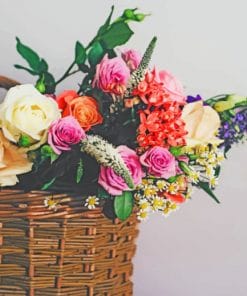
{"x":85,"y":109}
{"x":13,"y":162}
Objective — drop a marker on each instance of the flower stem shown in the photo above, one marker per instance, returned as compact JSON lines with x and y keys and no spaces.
{"x":67,"y":73}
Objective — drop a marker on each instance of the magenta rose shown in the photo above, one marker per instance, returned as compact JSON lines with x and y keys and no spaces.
{"x":172,"y":86}
{"x":160,"y":162}
{"x":113,"y":183}
{"x":112,"y":75}
{"x":63,"y":133}
{"x":132,"y":58}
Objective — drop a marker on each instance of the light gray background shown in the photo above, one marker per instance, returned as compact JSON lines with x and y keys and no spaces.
{"x":200,"y":250}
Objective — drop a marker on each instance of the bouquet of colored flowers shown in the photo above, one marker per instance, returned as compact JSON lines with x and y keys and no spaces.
{"x":128,"y":139}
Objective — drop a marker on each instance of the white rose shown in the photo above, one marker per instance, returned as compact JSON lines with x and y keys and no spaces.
{"x":202,"y":124}
{"x":25,"y":111}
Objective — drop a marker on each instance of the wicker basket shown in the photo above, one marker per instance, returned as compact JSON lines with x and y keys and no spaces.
{"x":68,"y":252}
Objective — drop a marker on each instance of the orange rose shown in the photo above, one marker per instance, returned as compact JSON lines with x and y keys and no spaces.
{"x":85,"y":109}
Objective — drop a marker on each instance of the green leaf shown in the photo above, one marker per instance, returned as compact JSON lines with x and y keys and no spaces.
{"x":80,"y":53}
{"x":95,"y":54}
{"x":28,"y":54}
{"x":173,"y":179}
{"x":48,"y":184}
{"x":49,"y":82}
{"x":47,"y":152}
{"x":102,"y":193}
{"x":37,"y":64}
{"x":79,"y":171}
{"x":217,"y":171}
{"x":204,"y":186}
{"x":123,"y":205}
{"x":104,"y":27}
{"x":43,"y":66}
{"x":118,"y":34}
{"x":26,"y":69}
{"x":176,"y":151}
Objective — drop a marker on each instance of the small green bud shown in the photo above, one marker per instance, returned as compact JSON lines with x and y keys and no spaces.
{"x":129,"y":14}
{"x":139,"y":17}
{"x":222,"y":106}
{"x":172,"y":179}
{"x":24,"y":141}
{"x":235,"y":99}
{"x":46,"y":150}
{"x":231,"y":102}
{"x":40,"y":85}
{"x":184,"y":167}
{"x":193,"y":156}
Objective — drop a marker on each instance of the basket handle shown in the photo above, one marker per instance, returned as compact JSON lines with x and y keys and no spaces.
{"x":7,"y":83}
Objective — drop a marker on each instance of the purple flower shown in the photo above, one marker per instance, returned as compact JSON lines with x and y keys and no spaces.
{"x":63,"y":133}
{"x":191,"y":99}
{"x":234,"y":129}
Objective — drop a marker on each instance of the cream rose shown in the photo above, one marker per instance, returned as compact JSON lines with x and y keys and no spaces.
{"x":25,"y":111}
{"x":202,"y":124}
{"x":12,"y":162}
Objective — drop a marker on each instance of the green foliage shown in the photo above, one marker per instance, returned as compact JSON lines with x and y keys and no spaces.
{"x":48,"y":184}
{"x":109,"y":35}
{"x":184,"y":167}
{"x":204,"y":186}
{"x":34,"y":61}
{"x":79,"y":171}
{"x":105,"y":26}
{"x":47,"y":152}
{"x":95,"y":54}
{"x":118,"y":34}
{"x":38,"y":66}
{"x":176,"y":151}
{"x":80,"y":53}
{"x":173,"y":179}
{"x":102,"y":194}
{"x":123,"y":205}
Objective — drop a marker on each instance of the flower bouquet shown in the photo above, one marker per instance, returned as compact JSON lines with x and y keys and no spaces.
{"x":127,"y":143}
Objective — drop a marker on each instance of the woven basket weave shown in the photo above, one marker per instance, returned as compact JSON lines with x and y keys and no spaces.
{"x":68,"y":252}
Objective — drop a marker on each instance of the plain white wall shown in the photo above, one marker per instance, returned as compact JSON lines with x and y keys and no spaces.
{"x":201,"y":249}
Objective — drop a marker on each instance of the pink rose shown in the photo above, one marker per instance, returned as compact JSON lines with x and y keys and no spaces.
{"x":63,"y":133}
{"x":113,"y":183}
{"x":160,"y":162}
{"x":172,"y":86}
{"x":112,"y":75}
{"x":132,"y":58}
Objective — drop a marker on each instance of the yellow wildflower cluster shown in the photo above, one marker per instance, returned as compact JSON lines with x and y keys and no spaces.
{"x":151,"y":197}
{"x":208,"y":158}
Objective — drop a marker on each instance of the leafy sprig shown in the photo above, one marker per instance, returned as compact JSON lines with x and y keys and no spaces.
{"x":109,"y":35}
